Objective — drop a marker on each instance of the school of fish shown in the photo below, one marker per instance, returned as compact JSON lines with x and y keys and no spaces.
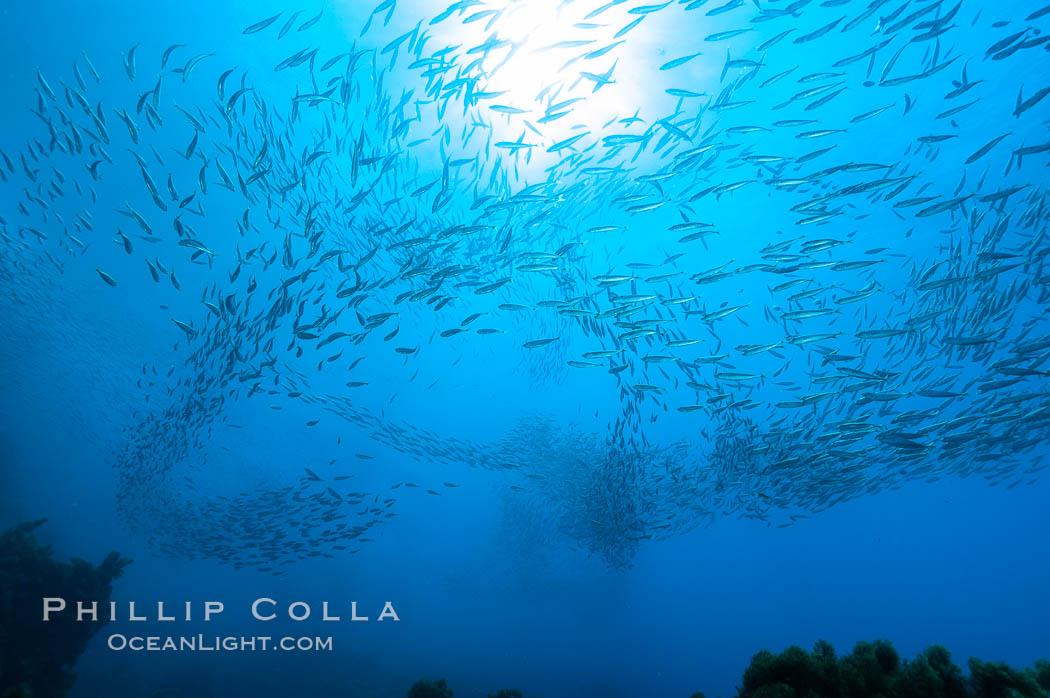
{"x":814,"y":269}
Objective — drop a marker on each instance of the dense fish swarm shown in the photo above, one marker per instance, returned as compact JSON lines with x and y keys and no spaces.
{"x":799,"y":257}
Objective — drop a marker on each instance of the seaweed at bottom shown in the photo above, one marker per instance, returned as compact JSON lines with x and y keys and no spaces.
{"x":875,"y":669}
{"x":871,"y":670}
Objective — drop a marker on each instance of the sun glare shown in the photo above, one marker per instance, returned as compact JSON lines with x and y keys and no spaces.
{"x":548,"y":73}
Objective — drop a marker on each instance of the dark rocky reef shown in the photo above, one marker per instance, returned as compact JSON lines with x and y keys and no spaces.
{"x":439,"y":689}
{"x":430,"y":689}
{"x":37,"y":658}
{"x":871,"y":670}
{"x":876,"y":670}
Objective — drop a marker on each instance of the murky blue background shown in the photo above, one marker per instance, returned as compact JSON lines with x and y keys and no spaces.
{"x":488,"y":596}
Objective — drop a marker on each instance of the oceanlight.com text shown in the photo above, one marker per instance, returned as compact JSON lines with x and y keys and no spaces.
{"x":215,"y":643}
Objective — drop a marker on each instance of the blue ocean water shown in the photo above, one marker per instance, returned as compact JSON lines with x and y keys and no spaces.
{"x":636,"y":523}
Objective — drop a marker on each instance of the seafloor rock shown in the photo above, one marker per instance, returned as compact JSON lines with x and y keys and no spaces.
{"x":37,"y":658}
{"x":439,"y":689}
{"x":875,"y":670}
{"x":430,"y":689}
